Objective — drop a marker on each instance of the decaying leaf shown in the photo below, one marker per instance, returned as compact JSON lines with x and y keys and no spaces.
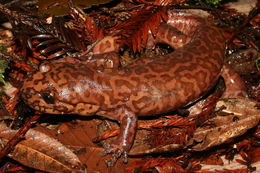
{"x":135,"y":31}
{"x":78,"y":137}
{"x":242,"y":6}
{"x":143,"y":149}
{"x":41,"y":152}
{"x":60,"y":7}
{"x":244,"y":61}
{"x":240,"y":116}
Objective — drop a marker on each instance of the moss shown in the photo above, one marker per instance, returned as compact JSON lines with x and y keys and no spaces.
{"x":2,"y":48}
{"x":213,"y":3}
{"x":3,"y":64}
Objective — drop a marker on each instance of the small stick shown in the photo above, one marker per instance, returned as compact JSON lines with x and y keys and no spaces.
{"x":18,"y":136}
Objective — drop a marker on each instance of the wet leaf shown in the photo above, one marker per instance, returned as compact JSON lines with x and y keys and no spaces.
{"x":41,"y":152}
{"x":60,"y":7}
{"x":244,"y":61}
{"x":242,"y":115}
{"x":78,"y":137}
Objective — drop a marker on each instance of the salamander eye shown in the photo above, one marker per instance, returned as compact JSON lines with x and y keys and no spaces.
{"x":48,"y":97}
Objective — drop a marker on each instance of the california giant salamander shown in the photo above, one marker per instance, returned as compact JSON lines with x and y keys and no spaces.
{"x":158,"y":86}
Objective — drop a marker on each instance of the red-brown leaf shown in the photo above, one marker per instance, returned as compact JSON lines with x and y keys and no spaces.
{"x":134,"y":32}
{"x":92,"y":31}
{"x":160,"y":2}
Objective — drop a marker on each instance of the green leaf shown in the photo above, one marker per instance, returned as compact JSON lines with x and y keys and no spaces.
{"x":3,"y":66}
{"x":3,"y":63}
{"x":258,"y":63}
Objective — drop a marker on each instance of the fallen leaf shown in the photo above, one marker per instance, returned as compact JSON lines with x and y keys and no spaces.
{"x":41,"y":152}
{"x":242,"y":116}
{"x":242,"y":6}
{"x":60,"y":7}
{"x":78,"y":137}
{"x":134,"y":32}
{"x":244,"y":61}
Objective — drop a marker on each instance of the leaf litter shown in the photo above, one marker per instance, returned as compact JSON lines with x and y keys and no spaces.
{"x":40,"y":151}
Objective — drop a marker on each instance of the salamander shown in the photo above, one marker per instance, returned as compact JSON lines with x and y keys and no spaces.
{"x":147,"y":87}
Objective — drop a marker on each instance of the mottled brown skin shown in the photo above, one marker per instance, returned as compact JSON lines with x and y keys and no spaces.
{"x":158,"y":86}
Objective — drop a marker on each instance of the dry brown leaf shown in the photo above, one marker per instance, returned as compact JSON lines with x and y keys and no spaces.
{"x":78,"y":137}
{"x":143,"y":149}
{"x":60,"y":7}
{"x":41,"y":152}
{"x":242,"y":116}
{"x":242,"y":6}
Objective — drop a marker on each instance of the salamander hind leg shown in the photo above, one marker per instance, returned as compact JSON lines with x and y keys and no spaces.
{"x":122,"y":145}
{"x":235,"y":86}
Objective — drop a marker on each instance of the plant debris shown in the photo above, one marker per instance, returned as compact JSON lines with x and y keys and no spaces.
{"x":219,"y":135}
{"x":41,"y":152}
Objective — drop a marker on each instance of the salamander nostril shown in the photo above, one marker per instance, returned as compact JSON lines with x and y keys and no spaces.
{"x":27,"y":93}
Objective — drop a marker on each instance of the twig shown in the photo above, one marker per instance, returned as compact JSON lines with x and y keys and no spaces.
{"x":26,"y":3}
{"x":18,"y":136}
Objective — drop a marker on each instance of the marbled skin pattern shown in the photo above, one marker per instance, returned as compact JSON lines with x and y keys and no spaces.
{"x":158,"y":86}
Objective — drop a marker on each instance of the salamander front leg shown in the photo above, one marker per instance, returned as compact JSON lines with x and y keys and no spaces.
{"x":122,"y":145}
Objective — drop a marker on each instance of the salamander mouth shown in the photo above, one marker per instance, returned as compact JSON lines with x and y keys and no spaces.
{"x":51,"y":109}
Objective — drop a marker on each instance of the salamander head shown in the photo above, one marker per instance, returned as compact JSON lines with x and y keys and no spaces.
{"x":48,"y":91}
